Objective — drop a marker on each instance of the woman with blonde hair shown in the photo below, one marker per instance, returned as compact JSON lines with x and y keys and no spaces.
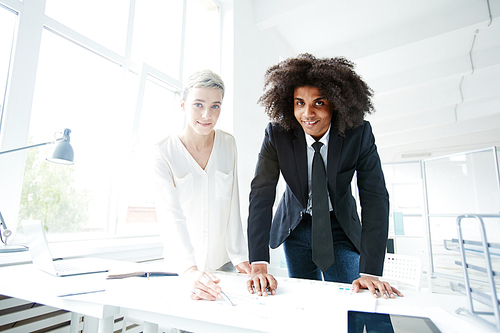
{"x":197,"y":185}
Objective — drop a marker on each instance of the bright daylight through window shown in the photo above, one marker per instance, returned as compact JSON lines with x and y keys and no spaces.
{"x":7,"y":26}
{"x":113,"y":78}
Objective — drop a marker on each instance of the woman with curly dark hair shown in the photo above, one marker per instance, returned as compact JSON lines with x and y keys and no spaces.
{"x":317,"y":139}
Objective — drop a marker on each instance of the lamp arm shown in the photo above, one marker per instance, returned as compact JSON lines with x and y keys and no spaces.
{"x":33,"y":146}
{"x":5,"y":233}
{"x":2,"y":222}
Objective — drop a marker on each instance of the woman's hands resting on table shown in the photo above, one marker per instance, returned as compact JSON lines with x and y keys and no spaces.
{"x":205,"y":288}
{"x":244,"y":267}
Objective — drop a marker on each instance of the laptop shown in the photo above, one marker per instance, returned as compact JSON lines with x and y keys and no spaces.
{"x":359,"y":321}
{"x":42,"y":258}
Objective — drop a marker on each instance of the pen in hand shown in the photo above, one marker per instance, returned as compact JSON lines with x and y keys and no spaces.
{"x":222,"y":293}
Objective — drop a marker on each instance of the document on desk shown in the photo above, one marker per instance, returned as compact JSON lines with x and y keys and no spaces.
{"x":296,"y":305}
{"x":314,"y":301}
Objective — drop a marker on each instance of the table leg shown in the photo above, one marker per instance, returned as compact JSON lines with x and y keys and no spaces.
{"x":75,"y":322}
{"x":150,"y":328}
{"x":106,"y":325}
{"x":90,"y":324}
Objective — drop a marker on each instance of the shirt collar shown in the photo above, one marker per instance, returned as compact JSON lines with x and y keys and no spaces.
{"x":324,"y":139}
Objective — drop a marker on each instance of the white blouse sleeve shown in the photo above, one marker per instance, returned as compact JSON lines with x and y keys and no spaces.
{"x":177,"y":248}
{"x":235,"y":241}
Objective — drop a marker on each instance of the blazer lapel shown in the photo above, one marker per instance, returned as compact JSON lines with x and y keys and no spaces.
{"x":300,"y":152}
{"x":334,"y":150}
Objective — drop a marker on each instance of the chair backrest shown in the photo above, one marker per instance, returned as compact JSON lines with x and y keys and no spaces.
{"x":403,"y":268}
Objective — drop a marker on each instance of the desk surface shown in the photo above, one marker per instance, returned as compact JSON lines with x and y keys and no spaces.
{"x":298,"y":306}
{"x":28,"y":283}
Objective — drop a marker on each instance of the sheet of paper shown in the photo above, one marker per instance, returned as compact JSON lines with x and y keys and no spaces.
{"x":311,"y":301}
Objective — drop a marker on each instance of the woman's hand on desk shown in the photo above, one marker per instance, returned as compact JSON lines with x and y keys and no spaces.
{"x":202,"y":287}
{"x":244,"y":267}
{"x":372,"y":283}
{"x":260,"y":282}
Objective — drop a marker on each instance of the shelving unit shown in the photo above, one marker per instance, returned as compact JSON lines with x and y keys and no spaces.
{"x":486,"y":250}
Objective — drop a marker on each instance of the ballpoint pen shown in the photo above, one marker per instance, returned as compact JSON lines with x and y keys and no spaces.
{"x":222,"y":293}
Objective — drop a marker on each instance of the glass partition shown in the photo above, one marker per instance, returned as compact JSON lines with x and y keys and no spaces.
{"x":466,"y":183}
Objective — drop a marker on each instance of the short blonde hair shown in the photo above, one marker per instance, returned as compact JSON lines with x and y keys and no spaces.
{"x":204,"y":79}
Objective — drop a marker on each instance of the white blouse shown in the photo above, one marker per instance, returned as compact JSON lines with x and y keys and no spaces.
{"x":198,"y":209}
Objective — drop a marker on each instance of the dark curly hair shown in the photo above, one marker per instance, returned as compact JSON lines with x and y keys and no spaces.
{"x":348,"y":94}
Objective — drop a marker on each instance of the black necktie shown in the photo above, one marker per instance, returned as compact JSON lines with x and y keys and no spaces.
{"x":322,"y":239}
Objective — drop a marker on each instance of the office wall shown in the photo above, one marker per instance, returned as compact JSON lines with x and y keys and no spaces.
{"x":253,"y":54}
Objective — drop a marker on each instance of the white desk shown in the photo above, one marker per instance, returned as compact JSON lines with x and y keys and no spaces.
{"x":30,"y":284}
{"x":165,"y":301}
{"x":162,"y":301}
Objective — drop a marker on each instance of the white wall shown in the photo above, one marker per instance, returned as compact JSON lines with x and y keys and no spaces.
{"x":253,"y":54}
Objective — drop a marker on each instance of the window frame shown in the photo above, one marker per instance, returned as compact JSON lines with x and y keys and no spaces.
{"x":14,"y":131}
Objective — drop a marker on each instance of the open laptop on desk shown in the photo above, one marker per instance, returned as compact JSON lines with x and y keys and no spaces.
{"x":360,"y":321}
{"x":42,"y":259}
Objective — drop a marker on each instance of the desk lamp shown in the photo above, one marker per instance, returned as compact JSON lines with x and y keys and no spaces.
{"x":62,"y":154}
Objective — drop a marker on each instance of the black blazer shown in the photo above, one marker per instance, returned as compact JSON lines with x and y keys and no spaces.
{"x":285,"y":152}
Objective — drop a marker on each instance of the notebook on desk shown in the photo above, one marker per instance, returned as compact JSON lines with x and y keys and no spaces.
{"x":42,"y":258}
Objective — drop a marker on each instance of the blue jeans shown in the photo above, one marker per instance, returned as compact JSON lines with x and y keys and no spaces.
{"x":298,"y":252}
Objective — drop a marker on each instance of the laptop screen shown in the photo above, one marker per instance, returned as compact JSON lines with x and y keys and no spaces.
{"x":359,"y":322}
{"x":38,"y":246}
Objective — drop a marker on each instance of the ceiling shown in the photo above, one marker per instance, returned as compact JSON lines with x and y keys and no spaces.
{"x":434,"y":65}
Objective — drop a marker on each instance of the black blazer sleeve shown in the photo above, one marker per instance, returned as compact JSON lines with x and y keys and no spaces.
{"x":262,"y":196}
{"x":374,"y":199}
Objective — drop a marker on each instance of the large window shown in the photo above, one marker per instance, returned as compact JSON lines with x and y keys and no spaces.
{"x":202,"y":45}
{"x":108,"y":20}
{"x":159,"y":114}
{"x":152,"y":17}
{"x":111,"y":72}
{"x":7,"y":26}
{"x":79,"y":90}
